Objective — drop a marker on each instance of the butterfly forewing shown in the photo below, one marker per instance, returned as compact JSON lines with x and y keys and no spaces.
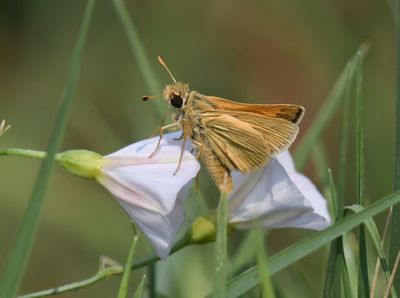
{"x":289,"y":112}
{"x":236,"y":143}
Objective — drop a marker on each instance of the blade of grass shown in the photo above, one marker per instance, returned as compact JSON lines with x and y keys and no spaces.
{"x":267,"y":288}
{"x":123,"y":288}
{"x":16,"y":263}
{"x":377,"y":263}
{"x":395,"y":233}
{"x":392,"y":277}
{"x":320,"y":160}
{"x":245,"y":253}
{"x":220,"y":256}
{"x":343,"y":149}
{"x":332,"y":276}
{"x":139,"y":290}
{"x":336,"y":261}
{"x":139,"y":52}
{"x":363,"y":278}
{"x":343,"y":156}
{"x":327,"y":110}
{"x":151,"y":271}
{"x":295,"y":252}
{"x":376,"y":240}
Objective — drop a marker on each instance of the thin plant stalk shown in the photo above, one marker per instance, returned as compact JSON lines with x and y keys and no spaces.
{"x":17,"y":261}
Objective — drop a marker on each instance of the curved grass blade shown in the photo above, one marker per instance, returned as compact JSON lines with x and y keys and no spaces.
{"x":327,"y":110}
{"x":139,"y":290}
{"x":16,"y":263}
{"x":376,"y":240}
{"x":295,"y":252}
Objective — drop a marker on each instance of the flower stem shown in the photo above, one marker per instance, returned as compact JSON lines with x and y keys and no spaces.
{"x":123,"y":289}
{"x":23,"y":152}
{"x":105,"y":273}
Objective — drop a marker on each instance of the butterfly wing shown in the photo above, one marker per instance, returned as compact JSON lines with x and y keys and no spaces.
{"x":289,"y":112}
{"x":235,"y":143}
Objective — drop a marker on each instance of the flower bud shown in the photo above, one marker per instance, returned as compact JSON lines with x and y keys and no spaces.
{"x":81,"y":163}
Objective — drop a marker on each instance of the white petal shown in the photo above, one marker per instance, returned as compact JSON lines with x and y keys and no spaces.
{"x":147,"y":188}
{"x":306,"y":187}
{"x":148,"y":182}
{"x":160,"y":229}
{"x":270,"y":198}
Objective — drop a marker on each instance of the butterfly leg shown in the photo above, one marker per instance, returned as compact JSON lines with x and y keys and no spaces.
{"x":172,"y":125}
{"x":180,"y":137}
{"x":180,"y":157}
{"x":164,"y":117}
{"x":199,"y":148}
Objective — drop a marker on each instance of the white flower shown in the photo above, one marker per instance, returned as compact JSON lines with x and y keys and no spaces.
{"x":147,"y":188}
{"x":277,"y":196}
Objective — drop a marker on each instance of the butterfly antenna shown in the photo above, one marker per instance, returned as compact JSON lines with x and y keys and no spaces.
{"x":166,"y":67}
{"x":147,"y":97}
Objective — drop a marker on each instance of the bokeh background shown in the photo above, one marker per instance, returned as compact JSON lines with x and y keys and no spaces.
{"x":257,"y":51}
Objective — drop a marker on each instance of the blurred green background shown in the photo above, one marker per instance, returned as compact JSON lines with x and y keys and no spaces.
{"x":257,"y":51}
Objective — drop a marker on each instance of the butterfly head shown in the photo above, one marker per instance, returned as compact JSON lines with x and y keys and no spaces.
{"x":176,"y":94}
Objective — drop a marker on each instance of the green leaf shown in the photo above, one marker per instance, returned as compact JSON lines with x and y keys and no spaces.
{"x":295,"y":252}
{"x":123,"y":288}
{"x":327,"y":110}
{"x":220,"y":255}
{"x":16,"y":262}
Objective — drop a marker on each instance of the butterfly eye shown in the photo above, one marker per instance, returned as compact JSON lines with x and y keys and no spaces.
{"x":176,"y":101}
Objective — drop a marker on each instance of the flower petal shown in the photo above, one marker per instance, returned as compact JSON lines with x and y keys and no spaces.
{"x":160,"y":229}
{"x":270,"y":198}
{"x":150,"y":183}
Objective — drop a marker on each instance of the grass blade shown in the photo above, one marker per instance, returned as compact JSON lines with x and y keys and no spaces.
{"x":363,"y":287}
{"x":295,"y":252}
{"x":123,"y":288}
{"x":332,"y":276}
{"x":376,"y":240}
{"x":220,"y":257}
{"x":267,"y":288}
{"x":139,"y":52}
{"x":139,"y":290}
{"x":389,"y":288}
{"x":16,"y":263}
{"x":395,"y":234}
{"x":327,"y":110}
{"x":343,"y":149}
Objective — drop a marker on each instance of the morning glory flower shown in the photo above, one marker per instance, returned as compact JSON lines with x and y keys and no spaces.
{"x":144,"y":186}
{"x":276,"y":196}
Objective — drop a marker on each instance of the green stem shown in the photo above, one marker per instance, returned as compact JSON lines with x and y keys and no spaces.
{"x":23,"y":152}
{"x":123,"y":289}
{"x":220,"y":254}
{"x":16,"y":263}
{"x":101,"y":274}
{"x":104,"y":273}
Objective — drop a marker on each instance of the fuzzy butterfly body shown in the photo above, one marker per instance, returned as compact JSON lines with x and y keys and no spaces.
{"x":231,"y":136}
